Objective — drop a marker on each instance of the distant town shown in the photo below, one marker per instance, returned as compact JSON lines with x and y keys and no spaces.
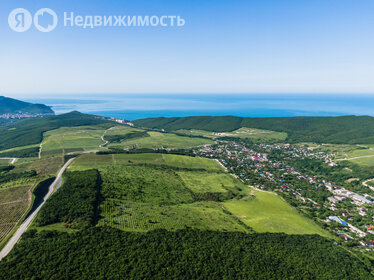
{"x":18,"y":116}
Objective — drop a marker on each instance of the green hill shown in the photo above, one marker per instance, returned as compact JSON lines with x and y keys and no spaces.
{"x":30,"y":131}
{"x":337,"y":130}
{"x":14,"y":106}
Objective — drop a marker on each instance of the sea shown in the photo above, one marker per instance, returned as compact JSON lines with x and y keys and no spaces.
{"x":139,"y":106}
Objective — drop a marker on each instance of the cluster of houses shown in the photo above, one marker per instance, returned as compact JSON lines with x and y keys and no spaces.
{"x":235,"y":156}
{"x":14,"y":116}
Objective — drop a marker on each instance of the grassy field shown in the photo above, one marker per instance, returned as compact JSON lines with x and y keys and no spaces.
{"x":368,"y":161}
{"x":14,"y":203}
{"x":250,"y":133}
{"x":202,"y":182}
{"x":143,"y":184}
{"x":70,"y":139}
{"x":138,"y":217}
{"x":57,"y":226}
{"x":4,"y":161}
{"x":162,"y":140}
{"x":269,"y":213}
{"x":371,"y":183}
{"x":96,"y":161}
{"x":122,"y":130}
{"x":191,"y":162}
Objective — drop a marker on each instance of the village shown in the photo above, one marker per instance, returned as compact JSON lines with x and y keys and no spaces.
{"x":18,"y":116}
{"x":290,"y":171}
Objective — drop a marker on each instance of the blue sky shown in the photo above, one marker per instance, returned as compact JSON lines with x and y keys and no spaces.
{"x":226,"y":46}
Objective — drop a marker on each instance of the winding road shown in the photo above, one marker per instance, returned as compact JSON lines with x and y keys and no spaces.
{"x":367,"y":185}
{"x":23,"y":227}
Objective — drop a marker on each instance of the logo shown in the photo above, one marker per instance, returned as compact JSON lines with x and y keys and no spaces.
{"x":45,"y":20}
{"x":20,"y":20}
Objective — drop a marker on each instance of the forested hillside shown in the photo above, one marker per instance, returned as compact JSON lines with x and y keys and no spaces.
{"x":338,"y":130}
{"x":14,"y":106}
{"x":30,"y":131}
{"x":106,"y":253}
{"x":74,"y":203}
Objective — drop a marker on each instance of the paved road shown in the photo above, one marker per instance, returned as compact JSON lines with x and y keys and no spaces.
{"x":17,"y":235}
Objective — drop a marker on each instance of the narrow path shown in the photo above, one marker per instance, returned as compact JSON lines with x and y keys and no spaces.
{"x":23,"y":227}
{"x":40,"y":150}
{"x":102,"y":137}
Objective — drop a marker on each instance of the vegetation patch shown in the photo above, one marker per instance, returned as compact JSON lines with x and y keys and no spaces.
{"x":145,"y":217}
{"x":144,"y":184}
{"x":267,"y":212}
{"x":243,"y":133}
{"x":158,"y":140}
{"x":117,"y":138}
{"x":191,"y":162}
{"x":75,"y":203}
{"x":207,"y":182}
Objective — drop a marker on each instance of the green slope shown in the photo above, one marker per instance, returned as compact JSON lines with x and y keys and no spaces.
{"x":338,"y":130}
{"x":30,"y":131}
{"x":10,"y":105}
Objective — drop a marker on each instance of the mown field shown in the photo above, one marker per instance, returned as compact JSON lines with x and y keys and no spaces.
{"x":250,"y":133}
{"x":14,"y":203}
{"x":267,"y":212}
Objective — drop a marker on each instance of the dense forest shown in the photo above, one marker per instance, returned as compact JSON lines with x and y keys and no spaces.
{"x":74,"y":203}
{"x":338,"y":130}
{"x":30,"y":131}
{"x":106,"y":253}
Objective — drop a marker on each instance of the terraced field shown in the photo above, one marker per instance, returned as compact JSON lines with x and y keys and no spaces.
{"x":14,"y":203}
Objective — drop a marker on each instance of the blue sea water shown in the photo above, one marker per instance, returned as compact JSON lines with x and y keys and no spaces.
{"x":137,"y":106}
